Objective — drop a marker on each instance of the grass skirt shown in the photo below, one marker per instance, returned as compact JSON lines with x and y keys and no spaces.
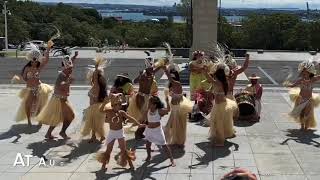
{"x":236,"y":112}
{"x":176,"y":128}
{"x":94,"y":121}
{"x":221,"y":126}
{"x":52,"y":113}
{"x":134,"y":110}
{"x":42,"y":99}
{"x":303,"y":111}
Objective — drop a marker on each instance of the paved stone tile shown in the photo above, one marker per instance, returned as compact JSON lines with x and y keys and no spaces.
{"x":47,"y":176}
{"x":268,"y":144}
{"x":239,"y":156}
{"x":183,"y":165}
{"x":245,"y":163}
{"x":284,"y":177}
{"x":93,"y":175}
{"x":277,"y":164}
{"x":202,"y":163}
{"x":314,"y":177}
{"x":263,"y":128}
{"x":201,"y":176}
{"x":178,"y":176}
{"x":11,"y":176}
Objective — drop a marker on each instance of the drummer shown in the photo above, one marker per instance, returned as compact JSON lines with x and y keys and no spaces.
{"x":255,"y":88}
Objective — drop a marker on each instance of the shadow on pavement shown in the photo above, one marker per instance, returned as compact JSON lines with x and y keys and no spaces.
{"x":83,"y":148}
{"x":41,"y":147}
{"x":146,"y":170}
{"x":303,"y":137}
{"x":212,"y":153}
{"x":243,"y":123}
{"x":18,"y":129}
{"x":101,"y":175}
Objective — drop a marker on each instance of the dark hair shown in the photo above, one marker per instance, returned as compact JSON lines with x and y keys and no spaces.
{"x":29,"y":65}
{"x":120,"y":81}
{"x":176,"y":76}
{"x":102,"y":87}
{"x":156,"y":100}
{"x":221,"y":76}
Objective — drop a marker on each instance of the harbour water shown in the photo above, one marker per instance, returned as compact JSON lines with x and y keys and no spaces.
{"x":140,"y":17}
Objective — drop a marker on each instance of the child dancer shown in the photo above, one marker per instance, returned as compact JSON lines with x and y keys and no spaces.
{"x":154,"y":132}
{"x":115,"y":117}
{"x":304,"y":99}
{"x":94,"y":119}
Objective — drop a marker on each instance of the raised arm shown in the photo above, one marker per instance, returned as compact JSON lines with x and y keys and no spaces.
{"x":166,"y":110}
{"x":45,"y":59}
{"x":137,"y":79}
{"x":75,"y":56}
{"x":244,"y":66}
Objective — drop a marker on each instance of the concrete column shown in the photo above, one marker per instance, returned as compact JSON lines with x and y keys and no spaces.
{"x":205,"y":23}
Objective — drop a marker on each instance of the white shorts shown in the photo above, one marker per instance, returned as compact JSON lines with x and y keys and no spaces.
{"x":114,"y":134}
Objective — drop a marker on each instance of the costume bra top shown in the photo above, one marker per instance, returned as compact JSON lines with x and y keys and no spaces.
{"x":33,"y":75}
{"x":154,"y":117}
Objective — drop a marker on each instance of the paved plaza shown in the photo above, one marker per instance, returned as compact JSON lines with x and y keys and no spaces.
{"x":274,"y":148}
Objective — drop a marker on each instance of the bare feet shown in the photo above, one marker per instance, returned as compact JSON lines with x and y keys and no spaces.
{"x":29,"y":123}
{"x":93,"y":139}
{"x":148,"y":159}
{"x":102,"y":139}
{"x":173,"y":164}
{"x":49,"y":136}
{"x":64,"y":135}
{"x":104,"y":167}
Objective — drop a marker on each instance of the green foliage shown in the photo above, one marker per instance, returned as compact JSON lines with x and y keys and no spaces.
{"x":86,"y":27}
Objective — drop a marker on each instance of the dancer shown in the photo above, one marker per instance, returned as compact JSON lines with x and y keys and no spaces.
{"x":58,"y":109}
{"x":255,"y":88}
{"x":115,"y":117}
{"x":147,"y":87}
{"x":234,"y":72}
{"x":123,"y":84}
{"x":197,"y":75}
{"x":221,"y":126}
{"x":94,"y":119}
{"x":35,"y":95}
{"x":304,"y":100}
{"x":154,"y":132}
{"x":176,"y":128}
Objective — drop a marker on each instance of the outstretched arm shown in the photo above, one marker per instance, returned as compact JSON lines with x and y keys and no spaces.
{"x":244,"y":67}
{"x":295,"y":84}
{"x":316,"y":78}
{"x":130,"y":118}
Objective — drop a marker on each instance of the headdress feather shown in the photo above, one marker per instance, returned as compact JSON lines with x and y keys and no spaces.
{"x":34,"y":53}
{"x":100,"y":63}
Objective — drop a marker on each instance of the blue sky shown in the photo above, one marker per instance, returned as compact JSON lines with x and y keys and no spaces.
{"x":225,"y":3}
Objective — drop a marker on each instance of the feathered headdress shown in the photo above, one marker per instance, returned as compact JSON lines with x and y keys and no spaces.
{"x":149,"y":61}
{"x":34,"y":53}
{"x":100,"y":63}
{"x":220,"y":59}
{"x":307,"y":65}
{"x":67,"y":62}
